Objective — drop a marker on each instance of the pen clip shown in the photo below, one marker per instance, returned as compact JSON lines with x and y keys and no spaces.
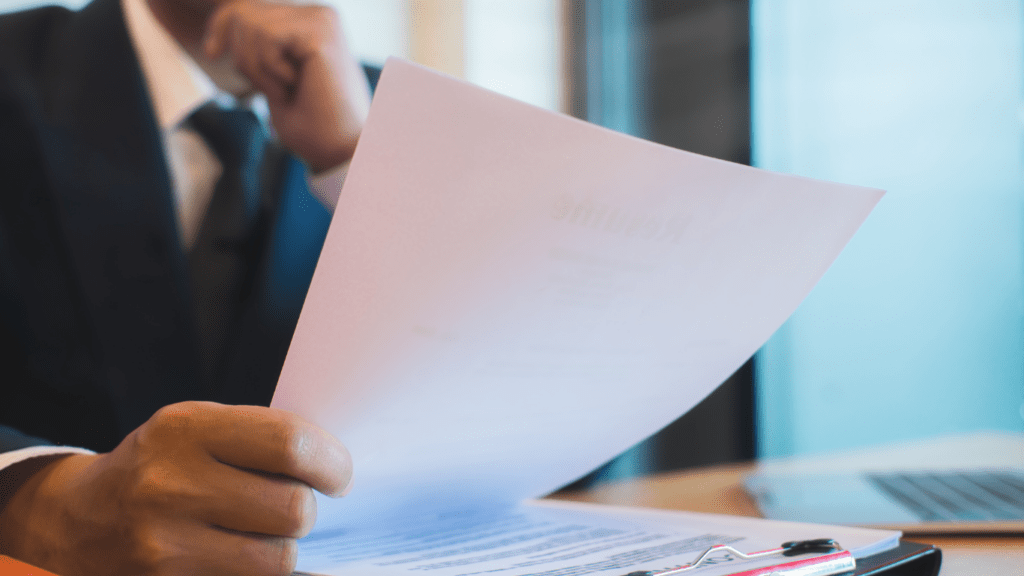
{"x":793,"y":548}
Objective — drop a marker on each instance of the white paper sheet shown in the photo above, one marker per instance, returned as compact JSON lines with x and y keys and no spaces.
{"x":549,"y":538}
{"x":509,"y":297}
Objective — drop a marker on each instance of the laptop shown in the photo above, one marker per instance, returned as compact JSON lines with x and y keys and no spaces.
{"x":963,"y":484}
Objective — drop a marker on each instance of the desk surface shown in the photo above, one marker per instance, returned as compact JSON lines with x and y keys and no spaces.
{"x":718,"y":489}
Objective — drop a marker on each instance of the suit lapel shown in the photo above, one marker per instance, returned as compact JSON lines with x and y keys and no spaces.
{"x":112,"y":189}
{"x":114,"y":199}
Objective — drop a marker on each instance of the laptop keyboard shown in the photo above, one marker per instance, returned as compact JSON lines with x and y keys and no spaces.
{"x":956,"y":496}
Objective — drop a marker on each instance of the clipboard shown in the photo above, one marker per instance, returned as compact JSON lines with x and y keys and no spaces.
{"x":822,"y":557}
{"x":910,"y":558}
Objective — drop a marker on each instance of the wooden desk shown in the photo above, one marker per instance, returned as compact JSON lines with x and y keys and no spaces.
{"x":718,"y":489}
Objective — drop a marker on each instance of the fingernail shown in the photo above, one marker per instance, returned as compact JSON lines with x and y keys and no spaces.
{"x":346,"y":490}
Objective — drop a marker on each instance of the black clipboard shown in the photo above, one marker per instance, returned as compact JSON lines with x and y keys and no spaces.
{"x":907,"y":559}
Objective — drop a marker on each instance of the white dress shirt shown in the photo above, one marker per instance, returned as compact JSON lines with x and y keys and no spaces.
{"x":178,"y":86}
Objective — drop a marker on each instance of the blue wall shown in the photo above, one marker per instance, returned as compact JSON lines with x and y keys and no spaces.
{"x":918,"y":328}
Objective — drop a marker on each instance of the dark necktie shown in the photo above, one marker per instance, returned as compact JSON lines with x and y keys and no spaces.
{"x":219,"y":258}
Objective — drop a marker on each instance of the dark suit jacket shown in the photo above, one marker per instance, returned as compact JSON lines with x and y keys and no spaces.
{"x":96,"y":323}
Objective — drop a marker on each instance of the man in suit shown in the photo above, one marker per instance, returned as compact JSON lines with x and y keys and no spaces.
{"x":134,"y":432}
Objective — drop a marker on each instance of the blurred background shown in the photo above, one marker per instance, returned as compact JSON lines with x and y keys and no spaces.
{"x":918,"y":328}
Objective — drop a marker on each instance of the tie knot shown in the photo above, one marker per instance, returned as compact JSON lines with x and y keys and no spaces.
{"x":235,"y":134}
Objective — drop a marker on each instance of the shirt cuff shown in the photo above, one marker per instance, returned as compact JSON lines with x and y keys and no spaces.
{"x":326,"y":186}
{"x":14,"y":456}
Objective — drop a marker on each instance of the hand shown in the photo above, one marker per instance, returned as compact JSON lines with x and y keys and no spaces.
{"x":200,"y":488}
{"x":297,"y":56}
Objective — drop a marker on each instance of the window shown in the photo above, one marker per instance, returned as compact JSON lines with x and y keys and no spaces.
{"x":918,"y":328}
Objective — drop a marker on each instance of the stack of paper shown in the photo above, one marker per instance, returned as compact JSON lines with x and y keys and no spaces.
{"x":508,"y":298}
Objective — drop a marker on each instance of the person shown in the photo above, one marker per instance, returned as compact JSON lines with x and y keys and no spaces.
{"x":131,"y":441}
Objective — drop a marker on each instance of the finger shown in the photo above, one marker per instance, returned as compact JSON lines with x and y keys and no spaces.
{"x":277,"y":81}
{"x":226,"y":553}
{"x":245,"y":54}
{"x":215,"y":40}
{"x":277,"y":63}
{"x":299,"y":48}
{"x":260,"y":504}
{"x":276,"y":92}
{"x":279,"y":442}
{"x":258,"y":56}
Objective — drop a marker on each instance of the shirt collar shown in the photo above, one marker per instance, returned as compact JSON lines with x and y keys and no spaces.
{"x":177,"y":84}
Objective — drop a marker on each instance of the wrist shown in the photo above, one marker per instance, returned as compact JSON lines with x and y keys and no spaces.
{"x":33,"y":522}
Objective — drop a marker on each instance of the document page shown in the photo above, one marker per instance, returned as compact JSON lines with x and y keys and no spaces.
{"x":562,"y":539}
{"x":509,"y":297}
